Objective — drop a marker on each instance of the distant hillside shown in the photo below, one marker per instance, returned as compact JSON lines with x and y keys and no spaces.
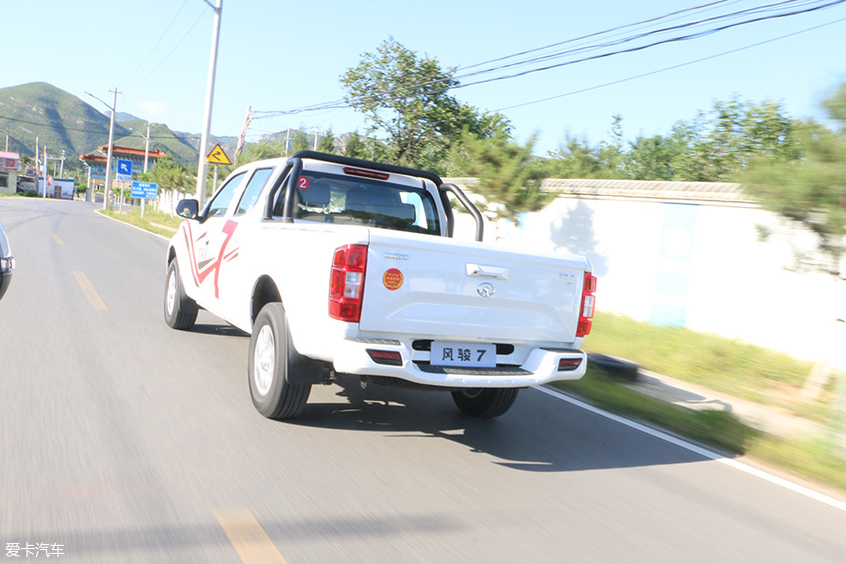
{"x":161,"y":139}
{"x":121,"y":116}
{"x":193,"y":139}
{"x":281,"y":136}
{"x":59,"y":120}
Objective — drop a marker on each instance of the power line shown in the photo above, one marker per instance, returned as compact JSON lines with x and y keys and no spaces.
{"x":410,"y":89}
{"x":172,"y":51}
{"x":647,"y":46}
{"x":691,"y":24}
{"x":671,"y":67}
{"x":595,"y":34}
{"x":179,"y":11}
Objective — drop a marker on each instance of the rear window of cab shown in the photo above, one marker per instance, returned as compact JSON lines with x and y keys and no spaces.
{"x":331,"y":198}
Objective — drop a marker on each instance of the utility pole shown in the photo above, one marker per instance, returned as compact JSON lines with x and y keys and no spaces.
{"x":287,"y":138}
{"x":7,"y":140}
{"x":37,"y":169}
{"x":204,"y":140}
{"x":62,"y":169}
{"x":316,"y":133}
{"x":107,"y":188}
{"x":243,"y":135}
{"x":146,"y":149}
{"x":45,"y":171}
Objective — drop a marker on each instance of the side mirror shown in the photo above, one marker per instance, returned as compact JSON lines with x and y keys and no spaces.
{"x":188,"y":208}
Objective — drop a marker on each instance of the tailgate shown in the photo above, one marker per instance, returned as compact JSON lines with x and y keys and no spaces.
{"x":432,"y":286}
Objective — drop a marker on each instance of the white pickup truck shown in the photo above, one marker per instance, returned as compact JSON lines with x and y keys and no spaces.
{"x":345,"y":266}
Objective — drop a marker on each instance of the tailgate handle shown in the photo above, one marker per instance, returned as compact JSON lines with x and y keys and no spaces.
{"x":481,"y":270}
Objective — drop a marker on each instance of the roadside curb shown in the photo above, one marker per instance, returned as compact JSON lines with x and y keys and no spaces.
{"x":767,"y":419}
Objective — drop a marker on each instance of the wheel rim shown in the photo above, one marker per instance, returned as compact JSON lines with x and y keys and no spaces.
{"x":472,"y":393}
{"x":264,"y":360}
{"x":171,"y":292}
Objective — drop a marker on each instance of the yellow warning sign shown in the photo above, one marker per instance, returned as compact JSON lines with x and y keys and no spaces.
{"x":218,"y":156}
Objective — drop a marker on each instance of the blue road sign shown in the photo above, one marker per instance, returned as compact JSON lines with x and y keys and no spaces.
{"x":124,"y":171}
{"x":145,"y":190}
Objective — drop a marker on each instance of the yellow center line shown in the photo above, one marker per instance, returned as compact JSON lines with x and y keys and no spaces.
{"x":247,"y":536}
{"x":57,"y":240}
{"x":90,"y":293}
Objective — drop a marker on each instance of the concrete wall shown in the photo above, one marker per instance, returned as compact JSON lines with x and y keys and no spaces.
{"x":713,"y":263}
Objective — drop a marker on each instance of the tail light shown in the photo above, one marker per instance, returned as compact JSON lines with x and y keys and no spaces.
{"x":586,"y":312}
{"x":391,"y":358}
{"x":568,"y":364}
{"x":346,"y":283}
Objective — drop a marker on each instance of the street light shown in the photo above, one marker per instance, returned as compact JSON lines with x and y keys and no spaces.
{"x":111,"y":142}
{"x":204,"y":139}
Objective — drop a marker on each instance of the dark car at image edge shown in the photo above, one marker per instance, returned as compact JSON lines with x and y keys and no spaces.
{"x":7,"y":262}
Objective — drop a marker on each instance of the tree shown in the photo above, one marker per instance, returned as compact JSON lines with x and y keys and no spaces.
{"x":507,"y":180}
{"x":326,"y":142}
{"x":719,"y":145}
{"x":611,"y":153}
{"x":811,"y":190}
{"x":651,"y":158}
{"x":170,"y":176}
{"x":355,"y":146}
{"x":405,"y":98}
{"x":300,"y":141}
{"x":574,"y":158}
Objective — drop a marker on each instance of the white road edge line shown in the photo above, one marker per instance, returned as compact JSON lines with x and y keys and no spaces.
{"x":802,"y":490}
{"x":97,"y":212}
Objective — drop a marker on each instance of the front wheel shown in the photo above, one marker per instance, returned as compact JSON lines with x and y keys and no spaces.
{"x":180,"y":311}
{"x":485,"y":403}
{"x":272,"y":356}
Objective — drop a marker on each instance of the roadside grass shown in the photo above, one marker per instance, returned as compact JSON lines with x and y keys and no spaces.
{"x":153,"y":221}
{"x":716,"y":428}
{"x":725,"y":365}
{"x":817,"y":459}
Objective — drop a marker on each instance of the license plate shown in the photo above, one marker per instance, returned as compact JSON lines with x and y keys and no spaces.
{"x":472,"y":355}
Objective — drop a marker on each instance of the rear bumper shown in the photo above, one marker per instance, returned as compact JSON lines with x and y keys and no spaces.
{"x":541,"y":366}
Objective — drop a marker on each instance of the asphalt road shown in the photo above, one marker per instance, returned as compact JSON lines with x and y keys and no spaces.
{"x":123,"y":440}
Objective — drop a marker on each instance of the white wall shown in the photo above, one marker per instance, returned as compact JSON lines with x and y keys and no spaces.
{"x":701,"y":264}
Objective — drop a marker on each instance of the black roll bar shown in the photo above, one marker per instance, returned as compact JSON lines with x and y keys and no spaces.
{"x":465,"y":201}
{"x":290,"y":195}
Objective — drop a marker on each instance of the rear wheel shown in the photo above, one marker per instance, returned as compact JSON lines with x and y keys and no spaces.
{"x":272,"y":357}
{"x":485,"y":403}
{"x":180,"y":311}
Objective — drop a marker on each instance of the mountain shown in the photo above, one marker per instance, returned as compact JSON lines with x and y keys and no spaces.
{"x":193,"y":139}
{"x":63,"y":122}
{"x":122,"y":116}
{"x":59,"y":120}
{"x":161,"y":138}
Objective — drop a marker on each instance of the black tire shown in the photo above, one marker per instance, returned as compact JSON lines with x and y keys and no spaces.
{"x":180,"y":311}
{"x":272,"y":358}
{"x":485,"y":403}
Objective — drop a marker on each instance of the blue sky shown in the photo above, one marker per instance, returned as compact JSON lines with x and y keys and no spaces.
{"x":284,"y":55}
